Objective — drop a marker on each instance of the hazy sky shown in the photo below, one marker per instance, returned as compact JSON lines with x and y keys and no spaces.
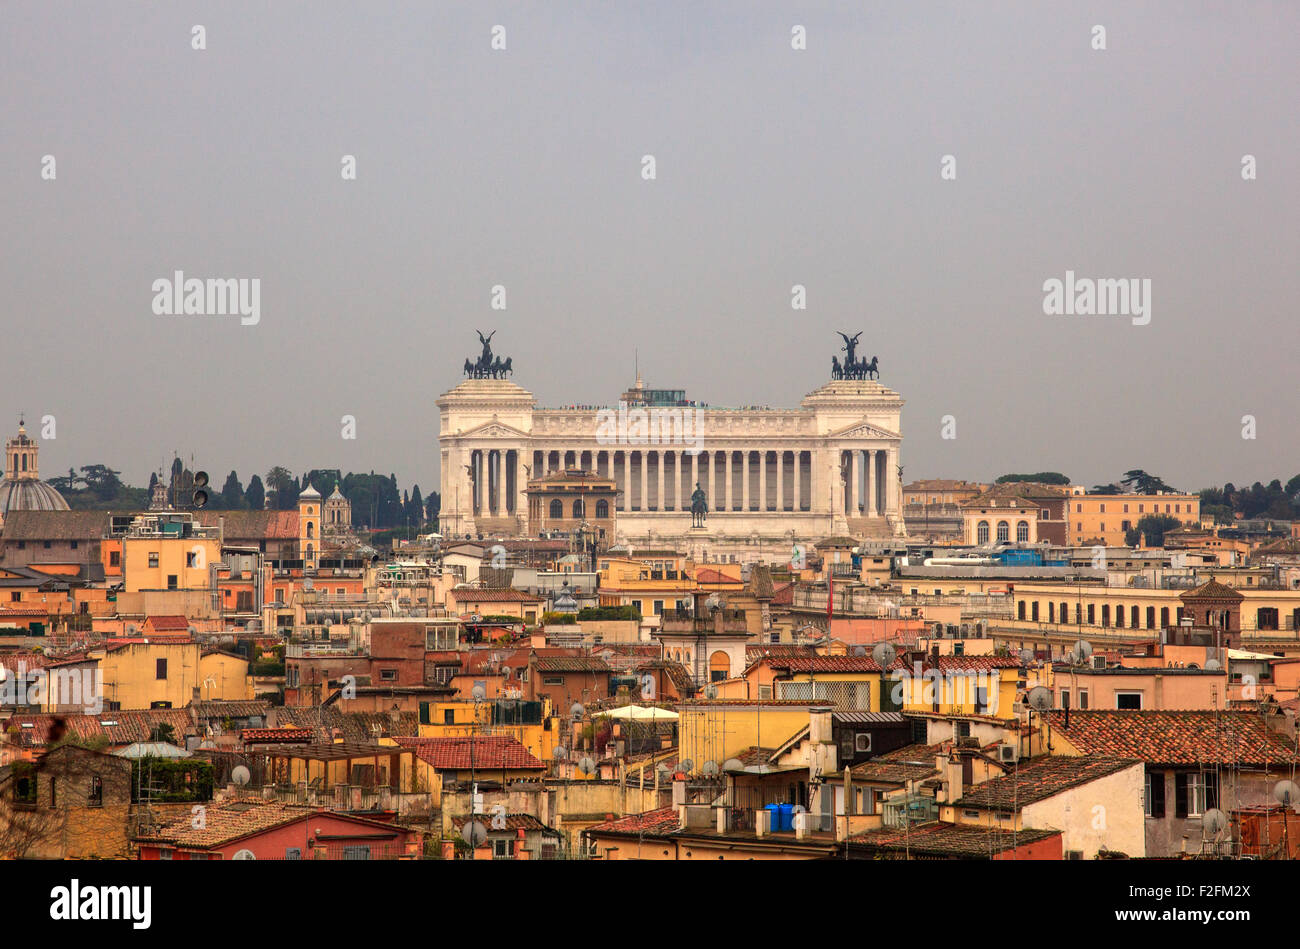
{"x":775,"y":167}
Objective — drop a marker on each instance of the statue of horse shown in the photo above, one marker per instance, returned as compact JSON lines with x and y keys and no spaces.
{"x":495,"y":368}
{"x":870,"y":369}
{"x":836,"y":371}
{"x":469,"y":368}
{"x":507,"y":368}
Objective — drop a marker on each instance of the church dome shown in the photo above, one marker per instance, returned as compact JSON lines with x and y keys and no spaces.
{"x":22,"y":489}
{"x":29,"y":496}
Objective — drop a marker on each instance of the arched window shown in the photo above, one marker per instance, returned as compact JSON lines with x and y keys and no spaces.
{"x":578,"y":512}
{"x":982,"y":533}
{"x":24,"y":462}
{"x":1004,"y":532}
{"x":311,"y":529}
{"x":719,"y":666}
{"x":602,"y":508}
{"x":557,"y":509}
{"x":1022,"y":531}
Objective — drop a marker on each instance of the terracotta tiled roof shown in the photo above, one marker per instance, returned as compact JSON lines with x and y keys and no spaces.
{"x":824,"y":663}
{"x":572,"y":664}
{"x":224,"y":823}
{"x":1038,"y":779}
{"x":167,"y":624}
{"x":252,"y":525}
{"x":494,"y":596}
{"x":757,"y":651}
{"x":1212,"y":589}
{"x":275,"y":734}
{"x":891,"y":772}
{"x":661,"y":821}
{"x":947,"y":840}
{"x":233,"y":708}
{"x":55,"y":525}
{"x":121,"y":728}
{"x":713,"y":575}
{"x":783,"y":594}
{"x":489,"y":752}
{"x":1176,"y":737}
{"x":754,"y":755}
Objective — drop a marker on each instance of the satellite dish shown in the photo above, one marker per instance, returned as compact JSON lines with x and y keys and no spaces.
{"x":200,"y":479}
{"x":479,"y":693}
{"x":1040,"y":698}
{"x":505,"y":672}
{"x":201,"y":501}
{"x":1026,"y":656}
{"x":884,"y":654}
{"x":686,"y":764}
{"x":307,"y":584}
{"x":1213,"y":823}
{"x":474,"y":833}
{"x":576,"y":711}
{"x":733,"y":764}
{"x":710,"y":691}
{"x":1212,"y":665}
{"x":859,"y":650}
{"x":586,"y":765}
{"x":130,"y":629}
{"x":1287,"y":794}
{"x":245,"y":855}
{"x":663,"y":770}
{"x":1081,"y":651}
{"x":239,"y":774}
{"x":710,"y":768}
{"x":559,"y":753}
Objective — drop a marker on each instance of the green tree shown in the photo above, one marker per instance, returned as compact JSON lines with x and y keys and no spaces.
{"x":1153,"y":527}
{"x":232,"y":493}
{"x":1041,"y":477}
{"x":280,"y":480}
{"x":255,"y":496}
{"x":1137,"y":481}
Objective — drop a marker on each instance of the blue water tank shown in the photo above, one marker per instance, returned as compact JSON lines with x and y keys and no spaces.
{"x":787,"y":816}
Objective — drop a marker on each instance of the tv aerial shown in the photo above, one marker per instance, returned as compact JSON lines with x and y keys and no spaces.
{"x":1040,"y":698}
{"x":1213,"y":824}
{"x":474,"y":833}
{"x":1287,"y":794}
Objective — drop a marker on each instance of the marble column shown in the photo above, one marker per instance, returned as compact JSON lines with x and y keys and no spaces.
{"x":873,"y":481}
{"x":728,"y":484}
{"x":855,"y":491}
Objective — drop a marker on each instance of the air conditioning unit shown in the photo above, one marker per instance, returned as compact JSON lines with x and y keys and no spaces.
{"x":1008,"y":754}
{"x":1099,"y":662}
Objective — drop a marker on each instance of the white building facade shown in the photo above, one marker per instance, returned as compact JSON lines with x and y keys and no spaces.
{"x":829,"y":467}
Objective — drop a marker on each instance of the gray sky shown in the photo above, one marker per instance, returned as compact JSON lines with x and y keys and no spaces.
{"x":522,"y":167}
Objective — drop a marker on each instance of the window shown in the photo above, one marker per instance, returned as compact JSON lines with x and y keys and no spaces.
{"x":356,"y":852}
{"x":1128,"y":701}
{"x":602,"y":508}
{"x":115,"y":558}
{"x":501,"y":849}
{"x":191,"y":559}
{"x":579,"y":512}
{"x":1022,"y":531}
{"x":96,"y":796}
{"x":153,"y":559}
{"x":1153,"y":799}
{"x":982,"y":533}
{"x":1004,"y":532}
{"x":171,"y":581}
{"x":160,"y":669}
{"x":449,"y":716}
{"x":552,"y":680}
{"x":1083,"y":698}
{"x":388,"y":675}
{"x":557,"y":509}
